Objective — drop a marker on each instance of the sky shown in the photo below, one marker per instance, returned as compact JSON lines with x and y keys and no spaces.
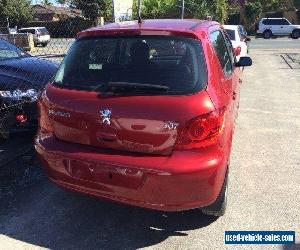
{"x":39,"y":1}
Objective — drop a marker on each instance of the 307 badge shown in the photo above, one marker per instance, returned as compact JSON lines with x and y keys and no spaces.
{"x":170,"y":125}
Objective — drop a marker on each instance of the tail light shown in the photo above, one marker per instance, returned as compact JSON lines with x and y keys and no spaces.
{"x":21,"y":118}
{"x":44,"y":121}
{"x":237,"y":51}
{"x":202,"y":131}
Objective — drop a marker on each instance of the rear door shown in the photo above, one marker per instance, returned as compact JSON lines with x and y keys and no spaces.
{"x":281,"y":27}
{"x":230,"y":79}
{"x":235,"y":75}
{"x":83,"y":108}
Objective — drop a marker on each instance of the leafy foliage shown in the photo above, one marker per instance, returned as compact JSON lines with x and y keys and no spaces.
{"x":17,"y":11}
{"x":297,"y":4}
{"x":253,"y":11}
{"x":217,"y":9}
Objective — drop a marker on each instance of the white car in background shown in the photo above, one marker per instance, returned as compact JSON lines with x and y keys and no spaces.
{"x":238,"y":39}
{"x":41,"y":35}
{"x":269,"y":27}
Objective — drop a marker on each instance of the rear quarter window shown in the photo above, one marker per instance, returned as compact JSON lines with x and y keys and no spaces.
{"x":43,"y":31}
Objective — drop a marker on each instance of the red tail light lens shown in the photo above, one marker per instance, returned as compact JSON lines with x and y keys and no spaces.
{"x":202,"y":131}
{"x":238,"y":51}
{"x":21,"y":118}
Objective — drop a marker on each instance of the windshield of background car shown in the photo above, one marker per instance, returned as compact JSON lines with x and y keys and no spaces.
{"x":25,"y":31}
{"x":231,"y":34}
{"x":176,"y":63}
{"x":43,"y":31}
{"x":9,"y":51}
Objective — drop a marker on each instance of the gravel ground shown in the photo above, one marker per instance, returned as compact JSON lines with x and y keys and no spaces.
{"x":264,"y":188}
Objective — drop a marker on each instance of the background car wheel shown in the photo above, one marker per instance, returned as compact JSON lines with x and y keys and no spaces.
{"x":296,"y":34}
{"x":218,"y":208}
{"x":267,"y":34}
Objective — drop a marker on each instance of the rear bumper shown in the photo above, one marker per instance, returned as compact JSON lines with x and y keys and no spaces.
{"x":182,"y":181}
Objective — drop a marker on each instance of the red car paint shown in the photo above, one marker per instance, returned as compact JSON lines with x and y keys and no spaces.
{"x":136,"y":159}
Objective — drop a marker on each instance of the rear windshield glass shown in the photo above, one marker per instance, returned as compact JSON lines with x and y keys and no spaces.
{"x":27,"y":31}
{"x":231,"y":34}
{"x":173,"y":65}
{"x":43,"y":31}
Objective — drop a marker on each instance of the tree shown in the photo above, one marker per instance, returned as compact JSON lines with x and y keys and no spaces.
{"x":17,"y":11}
{"x":193,"y":9}
{"x":92,"y":9}
{"x":253,"y":12}
{"x":46,"y":2}
{"x":220,"y":10}
{"x":297,"y":4}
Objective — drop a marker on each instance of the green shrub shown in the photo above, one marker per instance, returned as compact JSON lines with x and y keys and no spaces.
{"x":253,"y":12}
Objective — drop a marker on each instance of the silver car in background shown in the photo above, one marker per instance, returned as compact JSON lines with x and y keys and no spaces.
{"x":41,"y":35}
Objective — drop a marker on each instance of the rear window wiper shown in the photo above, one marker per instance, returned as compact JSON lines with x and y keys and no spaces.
{"x":128,"y":86}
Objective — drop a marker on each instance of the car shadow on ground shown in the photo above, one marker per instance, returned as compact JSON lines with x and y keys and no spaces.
{"x":291,"y":247}
{"x":48,"y":216}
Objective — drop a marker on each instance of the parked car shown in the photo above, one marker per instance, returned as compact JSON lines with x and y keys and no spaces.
{"x":41,"y":35}
{"x":278,"y":27}
{"x":22,"y":78}
{"x":144,"y":114}
{"x":243,"y":31}
{"x":239,"y":41}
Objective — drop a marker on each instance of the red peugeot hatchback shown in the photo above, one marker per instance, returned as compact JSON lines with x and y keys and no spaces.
{"x":144,"y":114}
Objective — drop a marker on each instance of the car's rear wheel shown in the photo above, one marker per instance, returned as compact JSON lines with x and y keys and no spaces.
{"x":267,"y":34}
{"x":296,"y":34}
{"x":44,"y":44}
{"x":218,"y":208}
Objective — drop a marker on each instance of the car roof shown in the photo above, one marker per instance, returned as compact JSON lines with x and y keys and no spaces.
{"x":272,"y":18}
{"x":172,"y":25}
{"x":26,"y":28}
{"x":231,"y":27}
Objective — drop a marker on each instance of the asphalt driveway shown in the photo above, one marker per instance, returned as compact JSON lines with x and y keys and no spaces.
{"x":264,"y":190}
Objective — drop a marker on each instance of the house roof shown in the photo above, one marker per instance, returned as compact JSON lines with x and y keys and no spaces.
{"x":49,"y":9}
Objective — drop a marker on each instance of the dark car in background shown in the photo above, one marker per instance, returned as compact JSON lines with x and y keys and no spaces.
{"x":22,"y":78}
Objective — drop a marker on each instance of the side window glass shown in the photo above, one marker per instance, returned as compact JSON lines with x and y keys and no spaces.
{"x":285,"y":22}
{"x":272,"y":22}
{"x":220,"y":47}
{"x":230,"y":49}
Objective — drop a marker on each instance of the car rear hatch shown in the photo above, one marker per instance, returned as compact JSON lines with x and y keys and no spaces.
{"x":143,"y":124}
{"x":128,"y":94}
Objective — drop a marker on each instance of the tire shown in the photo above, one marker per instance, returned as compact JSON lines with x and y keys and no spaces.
{"x":218,"y":208}
{"x":267,"y":34}
{"x":44,"y":44}
{"x":296,"y":34}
